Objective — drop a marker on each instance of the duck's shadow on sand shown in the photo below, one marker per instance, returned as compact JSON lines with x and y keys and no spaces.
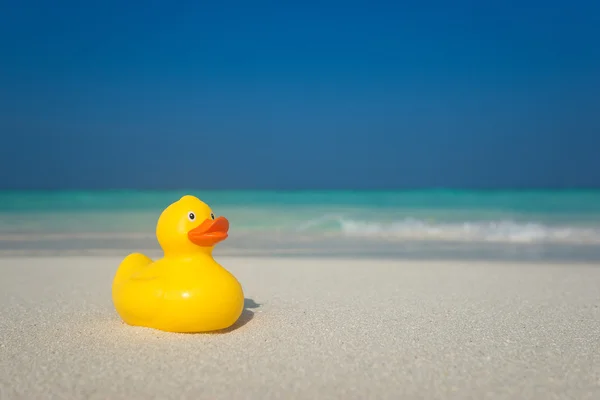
{"x":247,"y":315}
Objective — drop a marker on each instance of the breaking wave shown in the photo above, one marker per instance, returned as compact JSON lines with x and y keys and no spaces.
{"x":499,"y":231}
{"x":478,"y":231}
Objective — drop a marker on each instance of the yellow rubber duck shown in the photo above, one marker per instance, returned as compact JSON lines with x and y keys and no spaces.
{"x":187,"y":290}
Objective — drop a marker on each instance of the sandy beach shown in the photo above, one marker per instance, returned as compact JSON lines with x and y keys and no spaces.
{"x":312,"y":328}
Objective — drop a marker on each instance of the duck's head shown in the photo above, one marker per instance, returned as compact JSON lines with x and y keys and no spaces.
{"x":189,"y":226}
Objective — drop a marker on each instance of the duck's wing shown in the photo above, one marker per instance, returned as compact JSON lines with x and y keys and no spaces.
{"x":132,"y":266}
{"x":137,"y":290}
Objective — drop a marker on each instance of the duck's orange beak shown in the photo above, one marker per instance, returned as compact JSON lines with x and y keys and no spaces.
{"x":210,"y":232}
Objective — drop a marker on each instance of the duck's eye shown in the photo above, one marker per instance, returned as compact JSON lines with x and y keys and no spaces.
{"x":212,"y":216}
{"x":191,"y":216}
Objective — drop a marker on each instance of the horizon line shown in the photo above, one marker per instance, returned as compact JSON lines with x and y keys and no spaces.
{"x":308,"y":189}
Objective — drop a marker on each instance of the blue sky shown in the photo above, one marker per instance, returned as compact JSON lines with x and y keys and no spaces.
{"x":299,"y":95}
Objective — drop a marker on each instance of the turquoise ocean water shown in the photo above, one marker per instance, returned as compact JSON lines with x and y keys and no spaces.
{"x":414,"y":224}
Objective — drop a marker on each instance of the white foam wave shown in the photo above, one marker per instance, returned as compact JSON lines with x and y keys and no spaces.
{"x":478,"y":231}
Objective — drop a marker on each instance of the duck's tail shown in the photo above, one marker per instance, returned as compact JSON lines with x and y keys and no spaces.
{"x":130,"y":265}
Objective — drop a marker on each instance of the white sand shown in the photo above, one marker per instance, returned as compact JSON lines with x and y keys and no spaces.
{"x":320,"y":329}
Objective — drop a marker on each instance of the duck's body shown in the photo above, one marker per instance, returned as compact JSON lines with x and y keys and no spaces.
{"x":186,"y":290}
